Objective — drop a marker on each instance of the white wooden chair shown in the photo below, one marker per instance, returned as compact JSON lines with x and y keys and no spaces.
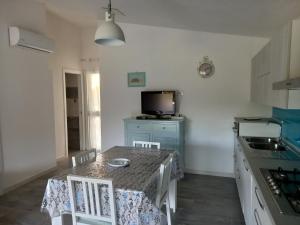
{"x":92,"y":201}
{"x":162,"y":196}
{"x":146,"y":144}
{"x":84,"y":157}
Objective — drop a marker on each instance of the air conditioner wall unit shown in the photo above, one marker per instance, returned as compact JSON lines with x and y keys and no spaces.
{"x":29,"y":39}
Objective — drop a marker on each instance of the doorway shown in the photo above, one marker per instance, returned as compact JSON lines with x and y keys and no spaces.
{"x":93,"y":110}
{"x":74,"y":112}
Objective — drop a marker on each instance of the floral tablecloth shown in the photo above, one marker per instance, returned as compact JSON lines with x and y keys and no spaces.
{"x":135,"y":185}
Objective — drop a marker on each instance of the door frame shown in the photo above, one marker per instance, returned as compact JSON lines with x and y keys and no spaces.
{"x":81,"y":108}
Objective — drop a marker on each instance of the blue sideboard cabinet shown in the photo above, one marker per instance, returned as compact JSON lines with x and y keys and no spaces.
{"x":169,"y":133}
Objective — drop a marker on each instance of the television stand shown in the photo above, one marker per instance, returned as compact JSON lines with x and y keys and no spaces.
{"x":169,"y":133}
{"x":163,"y":117}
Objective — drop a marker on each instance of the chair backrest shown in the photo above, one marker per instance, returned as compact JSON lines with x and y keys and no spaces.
{"x":84,"y":157}
{"x":164,"y":180}
{"x":92,"y":194}
{"x":146,"y":144}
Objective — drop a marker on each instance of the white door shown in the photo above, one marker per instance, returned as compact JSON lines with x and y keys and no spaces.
{"x":93,"y":115}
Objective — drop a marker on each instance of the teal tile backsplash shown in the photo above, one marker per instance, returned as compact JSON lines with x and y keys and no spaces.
{"x":290,"y":119}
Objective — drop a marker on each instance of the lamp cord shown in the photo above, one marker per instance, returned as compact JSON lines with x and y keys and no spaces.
{"x":109,"y":7}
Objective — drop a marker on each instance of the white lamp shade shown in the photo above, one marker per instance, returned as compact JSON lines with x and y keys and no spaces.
{"x":109,"y":33}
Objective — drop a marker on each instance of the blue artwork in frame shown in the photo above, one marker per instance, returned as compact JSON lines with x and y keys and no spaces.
{"x":137,"y":79}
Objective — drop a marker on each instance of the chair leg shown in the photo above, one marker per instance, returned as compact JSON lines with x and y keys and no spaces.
{"x":168,"y":211}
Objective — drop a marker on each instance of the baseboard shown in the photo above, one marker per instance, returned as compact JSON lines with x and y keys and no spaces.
{"x":27,"y":180}
{"x":61,"y":158}
{"x":217,"y":174}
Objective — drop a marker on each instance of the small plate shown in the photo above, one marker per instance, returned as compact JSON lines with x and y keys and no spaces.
{"x":119,"y":162}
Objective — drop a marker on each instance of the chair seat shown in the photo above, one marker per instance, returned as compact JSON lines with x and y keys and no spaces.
{"x":85,"y":221}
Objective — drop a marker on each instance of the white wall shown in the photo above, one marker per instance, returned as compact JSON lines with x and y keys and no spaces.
{"x":67,"y":39}
{"x":26,"y":103}
{"x":170,"y":58}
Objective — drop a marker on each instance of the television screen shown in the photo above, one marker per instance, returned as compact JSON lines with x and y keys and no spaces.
{"x":158,"y":102}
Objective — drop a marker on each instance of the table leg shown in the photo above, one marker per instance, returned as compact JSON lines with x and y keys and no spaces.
{"x":63,"y":219}
{"x":173,"y":195}
{"x":56,"y":220}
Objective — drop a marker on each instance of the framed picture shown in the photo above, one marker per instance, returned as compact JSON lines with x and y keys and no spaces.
{"x":137,"y":79}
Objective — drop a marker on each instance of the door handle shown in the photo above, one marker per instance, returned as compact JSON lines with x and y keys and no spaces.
{"x":244,"y":160}
{"x":256,"y":216}
{"x":258,"y":199}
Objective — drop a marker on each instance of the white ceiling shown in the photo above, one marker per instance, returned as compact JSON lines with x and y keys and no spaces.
{"x":243,"y":17}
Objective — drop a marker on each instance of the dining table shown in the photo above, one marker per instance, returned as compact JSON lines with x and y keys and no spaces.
{"x":135,"y":186}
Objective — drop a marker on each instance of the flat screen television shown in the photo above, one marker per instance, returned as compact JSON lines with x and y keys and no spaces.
{"x":158,"y":103}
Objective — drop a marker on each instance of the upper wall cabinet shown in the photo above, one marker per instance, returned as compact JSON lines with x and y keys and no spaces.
{"x":295,"y":50}
{"x":270,"y":65}
{"x":262,"y":61}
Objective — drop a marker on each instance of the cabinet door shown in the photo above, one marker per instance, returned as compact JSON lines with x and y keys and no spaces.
{"x":247,"y":189}
{"x":261,"y":89}
{"x":295,"y":50}
{"x":258,"y":64}
{"x":239,"y":180}
{"x":137,"y":136}
{"x":270,"y":65}
{"x":259,"y":213}
{"x":235,"y":154}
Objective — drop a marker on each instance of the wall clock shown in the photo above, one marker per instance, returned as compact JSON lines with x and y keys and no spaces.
{"x":206,"y":68}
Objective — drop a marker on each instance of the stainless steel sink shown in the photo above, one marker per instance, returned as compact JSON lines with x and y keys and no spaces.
{"x":261,"y":140}
{"x":267,"y":146}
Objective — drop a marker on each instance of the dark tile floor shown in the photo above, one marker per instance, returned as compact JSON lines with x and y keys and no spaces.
{"x":202,"y":200}
{"x":208,"y":200}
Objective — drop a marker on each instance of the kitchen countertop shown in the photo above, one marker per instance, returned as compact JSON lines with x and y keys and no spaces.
{"x":256,"y":162}
{"x":254,"y":120}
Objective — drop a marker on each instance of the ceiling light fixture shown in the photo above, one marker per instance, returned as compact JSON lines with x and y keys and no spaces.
{"x":109,"y":33}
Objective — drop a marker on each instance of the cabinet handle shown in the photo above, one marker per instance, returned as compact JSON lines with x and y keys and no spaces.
{"x":244,"y":160}
{"x":258,"y":199}
{"x":256,"y":216}
{"x":238,"y":174}
{"x":239,"y":147}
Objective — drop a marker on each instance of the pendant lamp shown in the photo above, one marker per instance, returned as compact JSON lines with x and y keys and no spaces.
{"x":109,"y":33}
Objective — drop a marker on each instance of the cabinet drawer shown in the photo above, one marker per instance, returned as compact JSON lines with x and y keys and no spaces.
{"x":167,"y":143}
{"x":166,"y":128}
{"x":139,"y":126}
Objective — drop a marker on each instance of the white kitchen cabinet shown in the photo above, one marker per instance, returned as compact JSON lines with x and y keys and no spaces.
{"x":295,"y":50}
{"x":244,"y":182}
{"x":262,"y":61}
{"x":1,"y":167}
{"x":259,"y":213}
{"x":271,"y":64}
{"x":294,"y":99}
{"x":259,"y":75}
{"x":239,"y":182}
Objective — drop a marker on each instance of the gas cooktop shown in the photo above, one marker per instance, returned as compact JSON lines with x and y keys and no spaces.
{"x":285,"y":186}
